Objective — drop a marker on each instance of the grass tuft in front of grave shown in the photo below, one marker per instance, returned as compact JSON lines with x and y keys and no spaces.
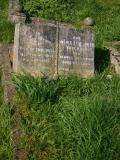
{"x":70,"y":118}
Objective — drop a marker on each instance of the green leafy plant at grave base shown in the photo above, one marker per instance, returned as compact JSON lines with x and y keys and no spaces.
{"x":6,"y":27}
{"x":83,"y":122}
{"x":43,"y":90}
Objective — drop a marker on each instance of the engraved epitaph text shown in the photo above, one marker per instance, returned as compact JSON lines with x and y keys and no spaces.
{"x":35,"y":44}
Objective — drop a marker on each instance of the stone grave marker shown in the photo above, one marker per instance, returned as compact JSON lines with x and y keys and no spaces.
{"x":35,"y":50}
{"x":76,"y":52}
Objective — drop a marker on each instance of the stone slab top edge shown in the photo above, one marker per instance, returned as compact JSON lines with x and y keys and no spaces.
{"x":44,"y":22}
{"x":19,"y":17}
{"x":16,"y":15}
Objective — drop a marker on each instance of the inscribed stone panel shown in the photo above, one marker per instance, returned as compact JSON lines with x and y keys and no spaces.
{"x":35,"y":47}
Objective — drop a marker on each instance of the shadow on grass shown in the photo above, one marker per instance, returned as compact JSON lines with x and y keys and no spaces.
{"x":102,"y":59}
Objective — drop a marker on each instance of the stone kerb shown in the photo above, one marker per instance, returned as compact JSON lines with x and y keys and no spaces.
{"x":9,"y":51}
{"x":6,"y":51}
{"x":6,"y":59}
{"x":15,"y":11}
{"x":115,"y":59}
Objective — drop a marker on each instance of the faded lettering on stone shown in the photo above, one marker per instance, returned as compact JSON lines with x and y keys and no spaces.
{"x":76,"y":50}
{"x":36,"y":46}
{"x":36,"y":49}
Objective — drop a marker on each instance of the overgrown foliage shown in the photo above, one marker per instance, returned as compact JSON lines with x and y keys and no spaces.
{"x":81,"y":122}
{"x":53,"y":9}
{"x":62,"y":10}
{"x":105,"y":13}
{"x":6,"y":27}
{"x":71,"y":118}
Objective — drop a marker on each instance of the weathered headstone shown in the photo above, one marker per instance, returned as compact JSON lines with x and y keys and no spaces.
{"x":76,"y":52}
{"x":35,"y":49}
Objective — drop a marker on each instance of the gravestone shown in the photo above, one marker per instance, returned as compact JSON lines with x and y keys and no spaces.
{"x":35,"y":50}
{"x":76,"y":52}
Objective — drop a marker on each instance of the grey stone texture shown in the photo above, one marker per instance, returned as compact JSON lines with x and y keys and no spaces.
{"x":6,"y":52}
{"x":15,"y":11}
{"x":35,"y":49}
{"x":115,"y":59}
{"x":88,"y":21}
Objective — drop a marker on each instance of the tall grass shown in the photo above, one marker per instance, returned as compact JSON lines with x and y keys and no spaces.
{"x":6,"y":27}
{"x":81,"y":121}
{"x":5,"y":146}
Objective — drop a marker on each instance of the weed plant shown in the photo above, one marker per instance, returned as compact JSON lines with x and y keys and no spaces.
{"x":70,"y":118}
